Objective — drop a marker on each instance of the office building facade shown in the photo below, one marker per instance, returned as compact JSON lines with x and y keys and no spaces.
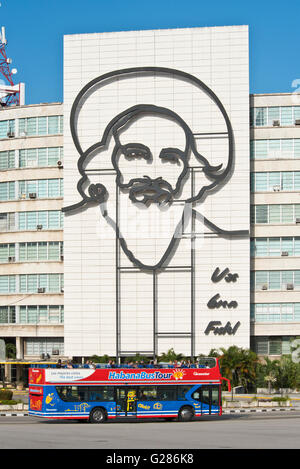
{"x":31,"y":230}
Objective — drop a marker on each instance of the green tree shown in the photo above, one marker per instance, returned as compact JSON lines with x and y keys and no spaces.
{"x":170,"y":356}
{"x":10,"y":350}
{"x":239,"y":365}
{"x":287,"y":374}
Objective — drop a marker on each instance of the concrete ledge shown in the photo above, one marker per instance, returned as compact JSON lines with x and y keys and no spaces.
{"x":225,"y":411}
{"x":248,"y":411}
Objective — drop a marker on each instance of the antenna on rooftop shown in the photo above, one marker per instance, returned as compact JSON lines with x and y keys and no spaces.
{"x":10,"y":94}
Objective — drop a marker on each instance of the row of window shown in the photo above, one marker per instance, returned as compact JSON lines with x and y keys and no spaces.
{"x":30,"y":126}
{"x":265,"y":116}
{"x":32,"y":314}
{"x":275,"y":214}
{"x":275,"y":181}
{"x":30,"y":157}
{"x":275,"y":312}
{"x":39,"y":188}
{"x":41,"y":157}
{"x":272,"y":345}
{"x":275,"y":148}
{"x":26,"y":252}
{"x":31,"y":283}
{"x":22,"y":221}
{"x":275,"y":247}
{"x":275,"y":280}
{"x":38,"y":345}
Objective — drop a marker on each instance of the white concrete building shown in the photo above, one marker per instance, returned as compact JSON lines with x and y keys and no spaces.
{"x":275,"y":173}
{"x":184,"y":100}
{"x":31,"y":229}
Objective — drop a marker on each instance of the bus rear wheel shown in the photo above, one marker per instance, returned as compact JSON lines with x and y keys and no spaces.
{"x":185,"y":414}
{"x":98,"y":415}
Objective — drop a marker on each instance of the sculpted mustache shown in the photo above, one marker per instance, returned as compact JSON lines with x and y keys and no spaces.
{"x":152,"y":189}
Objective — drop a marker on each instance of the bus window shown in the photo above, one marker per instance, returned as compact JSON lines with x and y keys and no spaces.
{"x":68,"y":393}
{"x":182,"y":390}
{"x":201,"y":394}
{"x":101,"y":393}
{"x":147,"y":393}
{"x":207,"y":395}
{"x":166,"y":393}
{"x":215,"y":395}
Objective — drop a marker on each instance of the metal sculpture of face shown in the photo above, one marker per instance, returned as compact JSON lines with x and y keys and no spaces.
{"x":142,"y":165}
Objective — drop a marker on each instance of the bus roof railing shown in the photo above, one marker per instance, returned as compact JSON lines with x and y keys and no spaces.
{"x":207,"y":362}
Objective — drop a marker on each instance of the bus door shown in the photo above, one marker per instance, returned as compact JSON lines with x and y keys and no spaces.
{"x":209,"y":396}
{"x":126,"y":401}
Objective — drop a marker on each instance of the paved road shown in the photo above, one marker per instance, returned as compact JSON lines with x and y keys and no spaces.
{"x":237,"y":432}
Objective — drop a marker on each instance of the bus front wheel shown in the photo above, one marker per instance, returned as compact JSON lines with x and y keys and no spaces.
{"x":98,"y":415}
{"x":185,"y":414}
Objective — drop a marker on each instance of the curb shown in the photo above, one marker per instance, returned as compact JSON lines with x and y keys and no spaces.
{"x":248,"y":411}
{"x":231,"y":411}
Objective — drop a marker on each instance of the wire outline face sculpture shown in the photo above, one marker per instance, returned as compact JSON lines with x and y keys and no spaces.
{"x":97,"y":193}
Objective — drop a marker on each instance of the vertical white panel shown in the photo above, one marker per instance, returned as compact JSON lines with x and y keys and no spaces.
{"x":219,"y":58}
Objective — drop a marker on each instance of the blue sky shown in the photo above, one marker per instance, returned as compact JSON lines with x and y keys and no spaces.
{"x":35,"y":30}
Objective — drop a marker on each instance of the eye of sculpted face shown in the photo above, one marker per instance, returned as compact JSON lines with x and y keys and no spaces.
{"x":150,"y":157}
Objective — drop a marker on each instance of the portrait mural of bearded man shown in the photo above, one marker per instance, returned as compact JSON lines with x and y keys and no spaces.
{"x":144,"y":190}
{"x":150,"y":178}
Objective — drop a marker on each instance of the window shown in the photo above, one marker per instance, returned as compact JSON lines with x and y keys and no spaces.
{"x":7,"y":283}
{"x":39,"y":251}
{"x":52,"y":219}
{"x":182,"y":390}
{"x":202,"y":394}
{"x":101,"y":393}
{"x":265,"y":116}
{"x":7,"y":222}
{"x":7,"y":314}
{"x":275,"y":247}
{"x":7,"y":252}
{"x":41,"y":314}
{"x":148,"y":393}
{"x":7,"y":127}
{"x":30,"y":283}
{"x":166,"y":393}
{"x":85,"y":393}
{"x":71,"y":393}
{"x":276,"y":280}
{"x":275,"y":181}
{"x":7,"y":160}
{"x":41,"y":188}
{"x":44,"y":125}
{"x":275,"y":214}
{"x":40,"y":156}
{"x":275,"y":312}
{"x":7,"y":191}
{"x":38,"y":345}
